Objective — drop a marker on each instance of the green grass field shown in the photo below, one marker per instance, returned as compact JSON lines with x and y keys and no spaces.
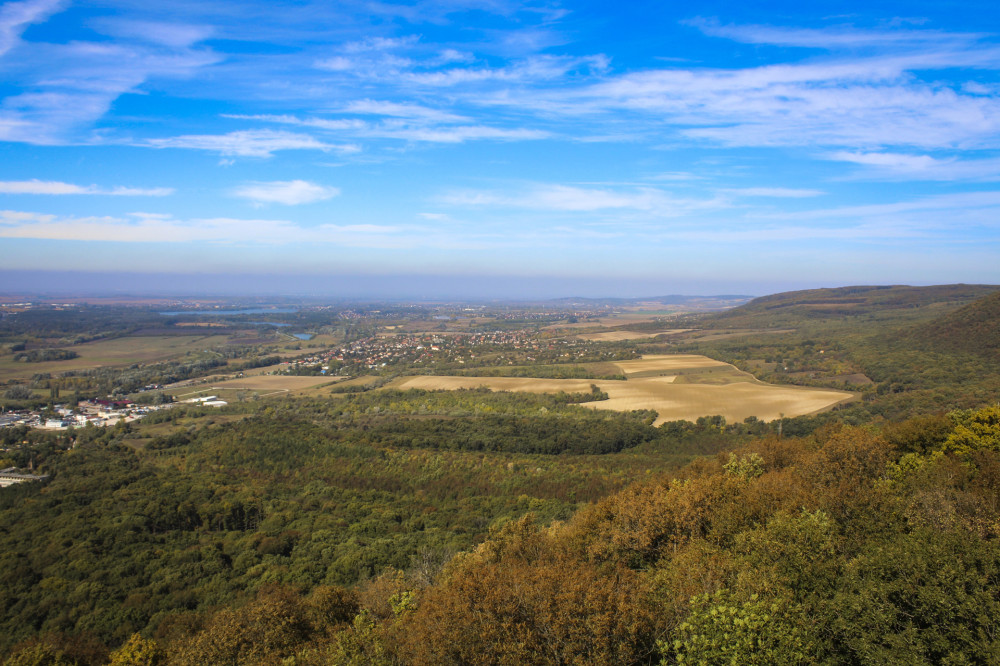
{"x":114,"y":352}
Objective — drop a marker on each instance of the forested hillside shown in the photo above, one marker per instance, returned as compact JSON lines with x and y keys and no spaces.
{"x":854,"y":545}
{"x":192,"y":510}
{"x":848,"y":301}
{"x":974,"y":328}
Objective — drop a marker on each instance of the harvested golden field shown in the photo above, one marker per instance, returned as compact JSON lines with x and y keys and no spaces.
{"x":668,"y":363}
{"x":710,"y":387}
{"x":735,"y":401}
{"x":617,"y":336}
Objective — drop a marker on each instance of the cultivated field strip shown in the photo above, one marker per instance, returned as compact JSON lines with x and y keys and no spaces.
{"x":735,"y":399}
{"x":618,"y":336}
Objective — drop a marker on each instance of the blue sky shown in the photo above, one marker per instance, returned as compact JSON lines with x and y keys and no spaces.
{"x":459,"y":148}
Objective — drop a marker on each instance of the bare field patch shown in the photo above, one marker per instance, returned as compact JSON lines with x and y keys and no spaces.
{"x":667,"y":363}
{"x":735,"y":401}
{"x":529,"y":384}
{"x":602,"y":368}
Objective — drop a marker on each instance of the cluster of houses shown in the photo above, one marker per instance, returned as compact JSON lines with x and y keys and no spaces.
{"x":97,"y":412}
{"x":382,"y":350}
{"x":207,"y":401}
{"x":12,"y":475}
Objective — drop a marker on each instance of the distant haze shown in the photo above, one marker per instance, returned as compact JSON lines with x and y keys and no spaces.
{"x":393,"y":287}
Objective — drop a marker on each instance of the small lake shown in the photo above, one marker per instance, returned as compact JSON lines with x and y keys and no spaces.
{"x":303,"y":336}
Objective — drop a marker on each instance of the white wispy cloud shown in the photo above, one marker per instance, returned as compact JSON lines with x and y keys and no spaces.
{"x":454,"y":134}
{"x":15,"y":17}
{"x":408,"y":61}
{"x":249,"y":143}
{"x":891,"y":161}
{"x":145,"y":228}
{"x":380,"y":44}
{"x":55,"y":187}
{"x":569,"y":198}
{"x":402,"y":110}
{"x":832,"y":37}
{"x":898,"y":166}
{"x":410,"y":123}
{"x":375,"y":57}
{"x":775,"y":192}
{"x":173,"y":35}
{"x":533,"y":69}
{"x":944,"y":213}
{"x":287,"y":192}
{"x":326,"y":124}
{"x":868,"y":103}
{"x":68,"y":86}
{"x":171,"y":232}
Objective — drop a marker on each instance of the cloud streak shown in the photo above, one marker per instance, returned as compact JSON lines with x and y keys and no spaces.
{"x":249,"y":143}
{"x":833,"y":38}
{"x":906,"y":166}
{"x":15,"y":17}
{"x":287,"y":192}
{"x":775,"y":192}
{"x":422,"y":125}
{"x":159,"y":229}
{"x":59,"y":188}
{"x":71,"y":85}
{"x":575,"y":199}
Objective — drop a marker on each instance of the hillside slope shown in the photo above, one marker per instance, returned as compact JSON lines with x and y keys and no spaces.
{"x":974,"y":328}
{"x":811,"y":304}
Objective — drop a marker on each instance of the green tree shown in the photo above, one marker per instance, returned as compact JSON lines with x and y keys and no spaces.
{"x":137,"y":651}
{"x":724,"y":629}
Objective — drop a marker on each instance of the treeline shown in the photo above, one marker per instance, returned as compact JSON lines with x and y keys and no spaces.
{"x":595,"y":434}
{"x":41,"y":355}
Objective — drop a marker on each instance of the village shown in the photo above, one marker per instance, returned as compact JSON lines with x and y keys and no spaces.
{"x":95,"y":412}
{"x":423,"y":350}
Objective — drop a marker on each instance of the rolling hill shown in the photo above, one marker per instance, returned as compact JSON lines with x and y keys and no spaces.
{"x":973,"y":328}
